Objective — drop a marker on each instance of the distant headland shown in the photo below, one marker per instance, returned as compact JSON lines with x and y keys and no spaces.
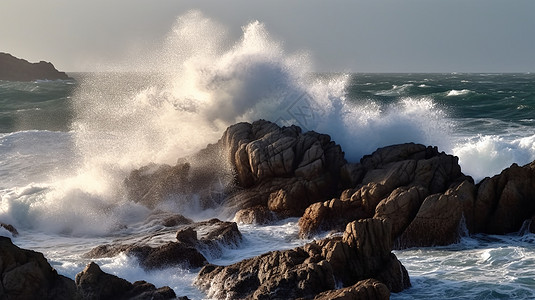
{"x":16,"y":69}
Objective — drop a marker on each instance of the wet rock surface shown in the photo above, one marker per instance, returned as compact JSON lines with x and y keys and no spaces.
{"x":26,"y":274}
{"x":92,"y":283}
{"x":362,"y":253}
{"x":192,"y":240}
{"x":395,"y":182}
{"x":406,"y":195}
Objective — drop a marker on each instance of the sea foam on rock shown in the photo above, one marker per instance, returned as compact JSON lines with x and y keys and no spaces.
{"x":363,"y":252}
{"x":406,"y":195}
{"x":273,"y":172}
{"x":276,"y":168}
{"x":192,"y":241}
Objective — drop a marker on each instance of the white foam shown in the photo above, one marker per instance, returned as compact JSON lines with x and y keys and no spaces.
{"x":480,"y":267}
{"x":396,"y":90}
{"x":458,"y":92}
{"x":487,"y":155}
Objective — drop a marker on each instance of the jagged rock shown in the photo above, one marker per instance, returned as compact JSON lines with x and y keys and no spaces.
{"x":369,"y":289}
{"x":94,"y":284}
{"x":206,"y":174}
{"x":400,"y":207}
{"x":262,"y":158}
{"x":15,"y":69}
{"x":26,"y":274}
{"x":281,"y":167}
{"x":149,"y":185}
{"x":167,"y":255}
{"x":208,"y":236}
{"x":506,"y":200}
{"x":439,"y":219}
{"x":363,"y":252}
{"x":9,"y":228}
{"x":404,"y":166}
{"x":329,"y":215}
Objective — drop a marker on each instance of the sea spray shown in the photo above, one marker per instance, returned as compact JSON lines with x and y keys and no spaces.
{"x":124,"y":121}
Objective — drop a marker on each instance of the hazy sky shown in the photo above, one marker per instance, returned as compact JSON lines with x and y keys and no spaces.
{"x":359,"y":36}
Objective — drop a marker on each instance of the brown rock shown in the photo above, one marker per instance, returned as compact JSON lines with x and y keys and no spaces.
{"x":363,"y":252}
{"x":400,"y":207}
{"x":254,"y":215}
{"x":387,"y":169}
{"x":438,"y":221}
{"x":369,"y":289}
{"x":163,"y":256}
{"x":506,"y":200}
{"x":330,"y":215}
{"x":192,"y":240}
{"x":281,"y":167}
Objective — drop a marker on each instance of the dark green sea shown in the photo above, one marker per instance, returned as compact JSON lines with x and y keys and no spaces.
{"x":66,"y":146}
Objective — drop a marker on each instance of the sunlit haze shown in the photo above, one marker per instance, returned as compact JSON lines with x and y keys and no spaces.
{"x":355,"y":36}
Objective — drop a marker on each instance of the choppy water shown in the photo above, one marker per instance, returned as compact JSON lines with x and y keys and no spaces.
{"x":66,"y":146}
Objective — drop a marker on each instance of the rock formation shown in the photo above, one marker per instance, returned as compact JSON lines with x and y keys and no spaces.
{"x":400,"y":196}
{"x":369,"y":289}
{"x":273,"y":172}
{"x":192,"y":240}
{"x":26,"y":274}
{"x":92,"y":284}
{"x":15,"y":69}
{"x":392,"y":184}
{"x":363,"y":252}
{"x":506,"y":200}
{"x":271,"y":168}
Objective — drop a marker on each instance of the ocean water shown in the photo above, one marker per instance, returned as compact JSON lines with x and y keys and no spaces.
{"x":66,"y":147}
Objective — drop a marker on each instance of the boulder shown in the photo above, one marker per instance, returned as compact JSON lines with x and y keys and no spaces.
{"x":281,"y":168}
{"x":400,"y":207}
{"x":362,"y":253}
{"x":210,"y":236}
{"x":439,"y":219}
{"x":15,"y":69}
{"x":394,"y":177}
{"x":205,"y":174}
{"x":506,"y":200}
{"x":163,"y":256}
{"x":330,"y":215}
{"x":192,"y":240}
{"x":26,"y":274}
{"x":94,"y":284}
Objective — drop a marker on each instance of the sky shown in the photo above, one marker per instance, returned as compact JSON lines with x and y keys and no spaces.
{"x":340,"y":36}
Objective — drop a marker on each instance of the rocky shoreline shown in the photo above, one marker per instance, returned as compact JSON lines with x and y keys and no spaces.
{"x":400,"y":196}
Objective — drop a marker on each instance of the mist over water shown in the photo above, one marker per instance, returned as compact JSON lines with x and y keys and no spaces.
{"x":67,"y":183}
{"x":204,"y":82}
